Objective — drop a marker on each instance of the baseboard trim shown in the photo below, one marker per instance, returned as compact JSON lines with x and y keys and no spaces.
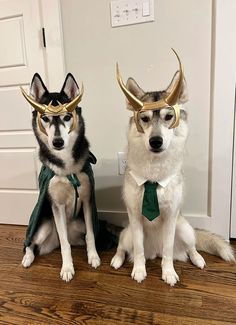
{"x":118,"y":218}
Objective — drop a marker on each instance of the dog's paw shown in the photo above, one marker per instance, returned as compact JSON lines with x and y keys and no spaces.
{"x":170,"y":276}
{"x":94,"y":260}
{"x":67,"y":273}
{"x":198,"y":260}
{"x":139,"y":273}
{"x":117,"y":261}
{"x":28,"y":259}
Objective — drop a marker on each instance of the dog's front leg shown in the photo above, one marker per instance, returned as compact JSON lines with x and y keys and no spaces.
{"x":93,"y":258}
{"x":139,"y":269}
{"x":67,"y":270}
{"x":168,"y":272}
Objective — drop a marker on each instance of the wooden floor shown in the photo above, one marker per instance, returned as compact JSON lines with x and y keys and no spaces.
{"x":105,"y":296}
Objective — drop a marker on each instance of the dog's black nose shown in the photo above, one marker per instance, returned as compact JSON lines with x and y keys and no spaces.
{"x":156,"y":142}
{"x":58,"y":143}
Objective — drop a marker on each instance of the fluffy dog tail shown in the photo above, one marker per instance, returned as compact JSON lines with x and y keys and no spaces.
{"x":214,"y":244}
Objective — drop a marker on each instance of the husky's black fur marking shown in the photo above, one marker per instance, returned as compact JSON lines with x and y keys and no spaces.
{"x":40,"y":86}
{"x":45,"y":154}
{"x":54,"y":97}
{"x":56,"y":121}
{"x":81,"y":146}
{"x":47,"y":96}
{"x":157,"y":95}
{"x":71,"y":93}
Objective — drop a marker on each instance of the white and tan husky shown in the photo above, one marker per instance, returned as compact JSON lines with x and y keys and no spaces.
{"x":157,"y":155}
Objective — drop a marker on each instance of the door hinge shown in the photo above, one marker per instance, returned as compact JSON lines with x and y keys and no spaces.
{"x":44,"y":37}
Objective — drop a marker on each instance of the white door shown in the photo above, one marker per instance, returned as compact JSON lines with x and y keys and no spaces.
{"x":22,"y":54}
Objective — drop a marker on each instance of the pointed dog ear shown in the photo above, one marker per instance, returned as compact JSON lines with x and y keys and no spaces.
{"x":37,"y":87}
{"x":70,"y":87}
{"x":183,"y":97}
{"x":134,"y":88}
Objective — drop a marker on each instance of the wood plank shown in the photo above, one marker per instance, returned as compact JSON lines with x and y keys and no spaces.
{"x":105,"y":296}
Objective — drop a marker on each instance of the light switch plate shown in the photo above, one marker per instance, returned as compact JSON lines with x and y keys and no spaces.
{"x":129,"y":12}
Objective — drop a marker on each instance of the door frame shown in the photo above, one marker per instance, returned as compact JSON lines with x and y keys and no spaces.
{"x":223,"y":115}
{"x":233,"y":197}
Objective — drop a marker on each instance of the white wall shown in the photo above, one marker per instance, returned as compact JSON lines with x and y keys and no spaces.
{"x":143,"y":51}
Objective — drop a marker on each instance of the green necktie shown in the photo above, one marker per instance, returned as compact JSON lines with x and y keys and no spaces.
{"x":150,"y":208}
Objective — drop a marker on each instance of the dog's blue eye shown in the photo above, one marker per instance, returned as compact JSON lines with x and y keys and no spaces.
{"x":168,"y":117}
{"x":145,"y":119}
{"x":67,"y":118}
{"x":45,"y":119}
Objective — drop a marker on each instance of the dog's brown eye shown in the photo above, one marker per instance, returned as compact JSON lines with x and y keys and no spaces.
{"x":45,"y":118}
{"x":145,"y":119}
{"x":168,"y":117}
{"x":67,"y":118}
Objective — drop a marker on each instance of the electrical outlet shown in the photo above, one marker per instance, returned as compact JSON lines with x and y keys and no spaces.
{"x":122,"y":159}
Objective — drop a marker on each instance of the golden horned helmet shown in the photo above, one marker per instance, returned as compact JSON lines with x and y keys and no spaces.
{"x":171,"y":99}
{"x":55,"y":110}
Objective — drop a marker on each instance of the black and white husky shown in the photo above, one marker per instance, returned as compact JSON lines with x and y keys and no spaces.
{"x":65,"y":153}
{"x":156,"y":155}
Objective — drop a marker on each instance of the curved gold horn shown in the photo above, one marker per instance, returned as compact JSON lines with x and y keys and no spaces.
{"x":134,"y":101}
{"x":176,"y":109}
{"x":73,"y":104}
{"x":173,"y":97}
{"x":39,"y":107}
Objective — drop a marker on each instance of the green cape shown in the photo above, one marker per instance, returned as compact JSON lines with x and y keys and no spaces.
{"x":43,"y":206}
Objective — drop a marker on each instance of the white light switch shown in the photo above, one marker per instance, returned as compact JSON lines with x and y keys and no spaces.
{"x":146,"y":8}
{"x":129,"y":12}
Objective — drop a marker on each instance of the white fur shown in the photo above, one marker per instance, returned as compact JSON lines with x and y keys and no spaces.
{"x":169,"y":236}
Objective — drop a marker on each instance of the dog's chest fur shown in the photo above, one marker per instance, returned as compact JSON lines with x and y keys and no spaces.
{"x":154,"y":167}
{"x":70,"y":166}
{"x":169,"y":197}
{"x":62,"y":192}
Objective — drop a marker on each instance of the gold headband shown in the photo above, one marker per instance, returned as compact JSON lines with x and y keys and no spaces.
{"x":54,"y":110}
{"x":170,"y":100}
